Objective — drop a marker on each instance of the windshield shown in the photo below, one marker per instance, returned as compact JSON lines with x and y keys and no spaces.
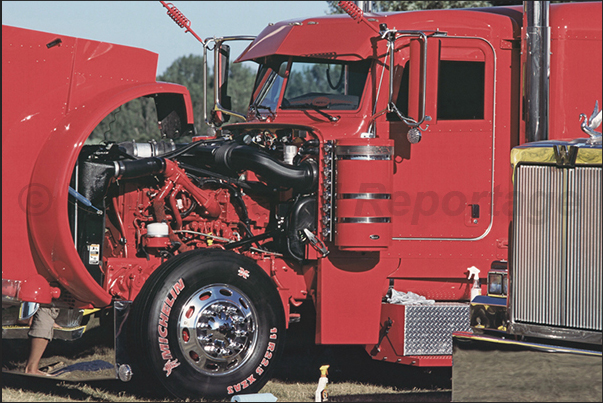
{"x":325,"y":85}
{"x":311,"y":84}
{"x":268,"y":84}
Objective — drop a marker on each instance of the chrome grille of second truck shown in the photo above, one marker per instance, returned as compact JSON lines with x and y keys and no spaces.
{"x":557,"y":256}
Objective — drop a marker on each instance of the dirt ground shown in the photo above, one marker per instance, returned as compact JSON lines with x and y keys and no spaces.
{"x":513,"y":374}
{"x":353,"y":375}
{"x":95,"y":346}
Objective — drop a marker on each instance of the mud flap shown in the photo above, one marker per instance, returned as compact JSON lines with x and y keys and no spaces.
{"x":121,"y":310}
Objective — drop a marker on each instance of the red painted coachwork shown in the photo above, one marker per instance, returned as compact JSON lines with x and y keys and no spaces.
{"x":450,"y":194}
{"x":53,"y":97}
{"x":576,"y":61}
{"x":458,"y":163}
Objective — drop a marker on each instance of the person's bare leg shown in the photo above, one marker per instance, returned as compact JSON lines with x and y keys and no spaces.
{"x":38,"y":345}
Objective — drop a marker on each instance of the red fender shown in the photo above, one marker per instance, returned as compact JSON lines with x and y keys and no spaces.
{"x":51,"y":238}
{"x":56,"y":90}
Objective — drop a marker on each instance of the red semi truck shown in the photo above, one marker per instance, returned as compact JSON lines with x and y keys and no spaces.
{"x":383,"y":179}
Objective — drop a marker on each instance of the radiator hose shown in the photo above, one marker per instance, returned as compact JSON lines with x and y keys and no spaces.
{"x":236,"y":157}
{"x":138,"y":168}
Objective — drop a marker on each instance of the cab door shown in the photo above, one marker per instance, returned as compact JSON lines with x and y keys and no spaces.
{"x":444,"y":184}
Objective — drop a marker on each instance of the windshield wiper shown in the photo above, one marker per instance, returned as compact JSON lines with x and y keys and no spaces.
{"x":256,"y":109}
{"x":314,"y":107}
{"x":270,"y":111}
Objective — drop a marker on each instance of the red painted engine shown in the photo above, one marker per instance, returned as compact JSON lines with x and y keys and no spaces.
{"x":172,"y":202}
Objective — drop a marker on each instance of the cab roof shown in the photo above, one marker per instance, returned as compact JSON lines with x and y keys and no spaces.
{"x":343,"y":38}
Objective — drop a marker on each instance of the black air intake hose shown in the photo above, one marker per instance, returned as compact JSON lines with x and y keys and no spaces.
{"x":138,"y":168}
{"x":95,"y":177}
{"x":235,"y":157}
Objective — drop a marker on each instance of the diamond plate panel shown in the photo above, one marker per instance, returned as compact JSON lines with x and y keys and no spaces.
{"x":428,"y":328}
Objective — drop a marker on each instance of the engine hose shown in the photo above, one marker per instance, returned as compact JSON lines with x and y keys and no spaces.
{"x":138,"y":168}
{"x":237,"y":157}
{"x":234,"y":157}
{"x":189,"y":210}
{"x":256,"y":187}
{"x":159,"y":209}
{"x":236,"y":194}
{"x":177,"y":152}
{"x":174,"y":206}
{"x":253,"y":239}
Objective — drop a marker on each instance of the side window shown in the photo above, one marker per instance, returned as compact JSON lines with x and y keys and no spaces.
{"x":461,"y":90}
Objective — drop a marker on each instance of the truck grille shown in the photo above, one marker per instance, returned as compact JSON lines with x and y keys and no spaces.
{"x":557,"y":260}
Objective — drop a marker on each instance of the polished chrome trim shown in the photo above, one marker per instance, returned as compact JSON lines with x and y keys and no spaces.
{"x":364,"y":220}
{"x":391,"y":44}
{"x":556,"y":261}
{"x":537,"y":69}
{"x":364,"y":150}
{"x":328,"y":197}
{"x":217,"y":105}
{"x":117,"y":169}
{"x":581,"y":336}
{"x":365,"y":157}
{"x":28,"y":309}
{"x":382,"y":196}
{"x":218,"y":350}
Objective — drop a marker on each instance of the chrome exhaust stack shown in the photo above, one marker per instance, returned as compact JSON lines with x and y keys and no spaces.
{"x":537,"y":72}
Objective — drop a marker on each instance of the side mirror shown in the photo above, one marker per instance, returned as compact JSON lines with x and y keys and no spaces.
{"x":222,"y":100}
{"x":417,"y":88}
{"x":222,"y":108}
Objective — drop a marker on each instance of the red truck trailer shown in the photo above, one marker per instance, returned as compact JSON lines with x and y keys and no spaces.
{"x":383,"y":180}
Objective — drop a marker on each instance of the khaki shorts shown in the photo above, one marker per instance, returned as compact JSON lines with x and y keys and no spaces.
{"x":43,"y":323}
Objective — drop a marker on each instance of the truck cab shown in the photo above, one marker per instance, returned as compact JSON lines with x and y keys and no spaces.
{"x":369,"y":178}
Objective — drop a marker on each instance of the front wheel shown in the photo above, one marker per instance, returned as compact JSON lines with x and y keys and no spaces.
{"x":208,"y":323}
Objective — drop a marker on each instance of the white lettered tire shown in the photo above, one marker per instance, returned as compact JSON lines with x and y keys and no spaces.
{"x":208,"y":323}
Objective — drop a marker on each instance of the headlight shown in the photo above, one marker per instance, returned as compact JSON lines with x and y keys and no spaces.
{"x":497,"y":284}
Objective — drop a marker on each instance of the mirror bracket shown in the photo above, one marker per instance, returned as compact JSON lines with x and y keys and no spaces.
{"x":221,"y":110}
{"x":391,"y":35}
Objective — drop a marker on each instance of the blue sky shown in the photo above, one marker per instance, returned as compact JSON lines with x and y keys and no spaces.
{"x":145,"y":24}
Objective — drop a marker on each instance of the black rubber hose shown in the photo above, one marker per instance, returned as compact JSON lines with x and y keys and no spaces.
{"x":249,"y":186}
{"x":302,"y":177}
{"x":235,"y":158}
{"x":139,"y":168}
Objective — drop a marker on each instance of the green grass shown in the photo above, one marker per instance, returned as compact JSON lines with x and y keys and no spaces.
{"x":49,"y":391}
{"x":353,"y":375}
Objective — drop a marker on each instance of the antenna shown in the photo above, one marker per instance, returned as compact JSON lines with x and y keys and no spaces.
{"x":180,"y":19}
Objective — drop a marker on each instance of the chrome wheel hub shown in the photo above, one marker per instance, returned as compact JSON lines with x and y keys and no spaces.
{"x":217,"y":329}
